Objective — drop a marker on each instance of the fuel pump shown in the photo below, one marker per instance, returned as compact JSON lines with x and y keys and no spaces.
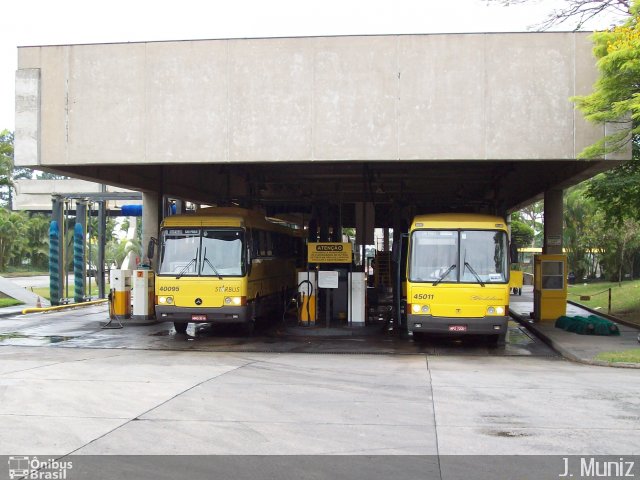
{"x":143,"y":296}
{"x":120,"y":294}
{"x":307,"y":291}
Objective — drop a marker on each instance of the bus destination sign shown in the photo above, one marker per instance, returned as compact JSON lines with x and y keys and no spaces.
{"x":329,"y":252}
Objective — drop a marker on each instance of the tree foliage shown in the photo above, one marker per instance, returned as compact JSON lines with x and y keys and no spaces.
{"x":6,"y":165}
{"x":617,"y":192}
{"x":521,"y":233}
{"x":616,"y":95}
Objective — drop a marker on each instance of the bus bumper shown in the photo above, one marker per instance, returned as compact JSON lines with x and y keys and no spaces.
{"x":168,"y":313}
{"x":470,"y":326}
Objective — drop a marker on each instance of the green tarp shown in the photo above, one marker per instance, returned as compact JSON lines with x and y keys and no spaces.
{"x":591,"y":325}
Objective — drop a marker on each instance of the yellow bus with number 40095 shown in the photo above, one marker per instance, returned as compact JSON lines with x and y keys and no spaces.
{"x":458,"y":275}
{"x":224,"y":265}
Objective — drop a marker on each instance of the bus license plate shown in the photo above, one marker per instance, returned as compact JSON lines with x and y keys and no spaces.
{"x":198,"y":318}
{"x":457,"y":328}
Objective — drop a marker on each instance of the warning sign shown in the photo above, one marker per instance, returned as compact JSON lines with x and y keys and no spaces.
{"x":329,"y":252}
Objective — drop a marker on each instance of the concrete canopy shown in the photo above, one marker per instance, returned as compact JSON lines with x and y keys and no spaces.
{"x":479,"y":122}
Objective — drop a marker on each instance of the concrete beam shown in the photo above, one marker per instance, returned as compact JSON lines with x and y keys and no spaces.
{"x":339,"y":99}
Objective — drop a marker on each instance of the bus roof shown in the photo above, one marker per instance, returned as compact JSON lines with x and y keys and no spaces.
{"x":459,"y":220}
{"x":223,"y":217}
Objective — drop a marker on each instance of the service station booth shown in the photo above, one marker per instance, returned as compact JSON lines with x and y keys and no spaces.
{"x":332,"y":293}
{"x":356,"y":132}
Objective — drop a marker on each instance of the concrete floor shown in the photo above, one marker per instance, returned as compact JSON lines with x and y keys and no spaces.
{"x":69,"y":388}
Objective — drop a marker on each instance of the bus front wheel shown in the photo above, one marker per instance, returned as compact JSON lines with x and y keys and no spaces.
{"x":181,"y":327}
{"x":418,"y":336}
{"x":499,"y":339}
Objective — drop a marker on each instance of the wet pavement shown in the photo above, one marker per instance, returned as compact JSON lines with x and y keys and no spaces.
{"x":82,"y":328}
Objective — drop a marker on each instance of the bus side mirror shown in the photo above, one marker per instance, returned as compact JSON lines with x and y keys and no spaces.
{"x":248,"y":260}
{"x":514,"y":253}
{"x":151,"y":248}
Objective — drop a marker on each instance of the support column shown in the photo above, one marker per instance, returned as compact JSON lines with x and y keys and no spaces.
{"x":553,"y":217}
{"x":150,"y":220}
{"x":102,"y":241}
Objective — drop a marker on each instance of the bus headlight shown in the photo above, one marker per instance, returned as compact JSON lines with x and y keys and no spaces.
{"x":416,"y":308}
{"x":233,"y":300}
{"x":165,"y":300}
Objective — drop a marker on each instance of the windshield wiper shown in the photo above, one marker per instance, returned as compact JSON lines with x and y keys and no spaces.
{"x":466,"y":264}
{"x":204,"y":258}
{"x":444,"y":275}
{"x":186,"y":267}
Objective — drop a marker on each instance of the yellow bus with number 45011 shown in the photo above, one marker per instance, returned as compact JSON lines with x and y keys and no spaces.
{"x":458,"y":275}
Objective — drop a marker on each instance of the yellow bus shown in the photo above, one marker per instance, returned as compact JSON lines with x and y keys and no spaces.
{"x":224,"y":265}
{"x":458,"y":275}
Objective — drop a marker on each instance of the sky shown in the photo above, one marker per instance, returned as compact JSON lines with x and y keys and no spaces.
{"x":48,"y":22}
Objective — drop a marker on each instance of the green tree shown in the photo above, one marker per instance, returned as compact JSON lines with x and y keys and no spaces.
{"x":37,"y":234}
{"x":6,"y":165}
{"x":12,"y":236}
{"x":49,"y":176}
{"x":521,"y":233}
{"x":533,"y":215}
{"x":578,"y":210}
{"x":619,"y":244}
{"x":616,"y":95}
{"x":617,"y":192}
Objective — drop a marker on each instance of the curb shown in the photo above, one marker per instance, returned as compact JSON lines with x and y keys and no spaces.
{"x":566,"y":353}
{"x":10,"y":311}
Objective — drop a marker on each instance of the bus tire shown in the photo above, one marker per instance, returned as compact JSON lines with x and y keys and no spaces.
{"x":249,"y":327}
{"x":499,"y":339}
{"x":181,"y":327}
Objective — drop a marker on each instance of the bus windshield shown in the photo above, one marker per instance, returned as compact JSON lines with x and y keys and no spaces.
{"x":458,"y":256}
{"x":201,"y":252}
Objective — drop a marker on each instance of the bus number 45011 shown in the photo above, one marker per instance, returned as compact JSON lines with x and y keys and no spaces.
{"x":423,"y":296}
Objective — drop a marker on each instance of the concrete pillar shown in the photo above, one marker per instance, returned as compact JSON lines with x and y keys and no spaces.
{"x":150,"y":220}
{"x":385,"y":239}
{"x":553,"y":217}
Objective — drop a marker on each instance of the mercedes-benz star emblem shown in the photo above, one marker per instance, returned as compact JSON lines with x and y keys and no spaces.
{"x":198,"y":301}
